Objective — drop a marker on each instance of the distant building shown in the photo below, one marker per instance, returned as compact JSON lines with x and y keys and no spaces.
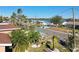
{"x":70,"y":24}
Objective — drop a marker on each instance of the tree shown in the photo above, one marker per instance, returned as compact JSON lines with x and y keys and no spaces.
{"x":6,"y":19}
{"x":13,"y":18}
{"x":22,"y":19}
{"x":1,"y":19}
{"x":56,"y":20}
{"x":19,"y":40}
{"x":18,"y":16}
{"x":19,"y":11}
{"x":19,"y":19}
{"x":34,"y":37}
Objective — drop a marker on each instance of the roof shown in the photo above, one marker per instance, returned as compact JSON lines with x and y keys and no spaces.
{"x":71,"y":23}
{"x":7,"y":27}
{"x":4,"y":39}
{"x":4,"y":23}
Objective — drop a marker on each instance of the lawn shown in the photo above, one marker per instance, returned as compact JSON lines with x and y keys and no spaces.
{"x":61,"y":29}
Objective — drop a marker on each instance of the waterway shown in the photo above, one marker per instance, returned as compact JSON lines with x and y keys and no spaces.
{"x":45,"y":21}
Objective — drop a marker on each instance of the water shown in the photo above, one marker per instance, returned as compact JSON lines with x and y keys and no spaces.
{"x":45,"y":21}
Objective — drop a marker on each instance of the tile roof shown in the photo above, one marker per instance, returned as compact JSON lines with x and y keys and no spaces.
{"x":4,"y":39}
{"x":7,"y":26}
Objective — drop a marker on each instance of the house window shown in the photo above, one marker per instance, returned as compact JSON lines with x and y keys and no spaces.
{"x":8,"y":49}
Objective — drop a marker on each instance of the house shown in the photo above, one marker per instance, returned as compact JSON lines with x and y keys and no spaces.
{"x":70,"y":24}
{"x":5,"y":40}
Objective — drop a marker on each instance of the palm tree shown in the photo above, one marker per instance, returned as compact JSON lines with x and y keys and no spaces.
{"x":19,"y":11}
{"x":22,"y":19}
{"x":19,"y":14}
{"x":19,"y":41}
{"x":34,"y":37}
{"x":13,"y":18}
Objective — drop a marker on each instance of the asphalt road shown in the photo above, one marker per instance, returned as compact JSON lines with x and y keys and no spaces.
{"x":48,"y":32}
{"x":62,"y":35}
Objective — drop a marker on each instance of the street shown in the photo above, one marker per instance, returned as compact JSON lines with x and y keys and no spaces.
{"x":48,"y":32}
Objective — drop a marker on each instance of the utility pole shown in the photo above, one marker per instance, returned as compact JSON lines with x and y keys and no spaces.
{"x":73,"y":12}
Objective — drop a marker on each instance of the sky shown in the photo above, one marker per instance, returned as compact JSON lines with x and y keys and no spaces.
{"x":41,"y":11}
